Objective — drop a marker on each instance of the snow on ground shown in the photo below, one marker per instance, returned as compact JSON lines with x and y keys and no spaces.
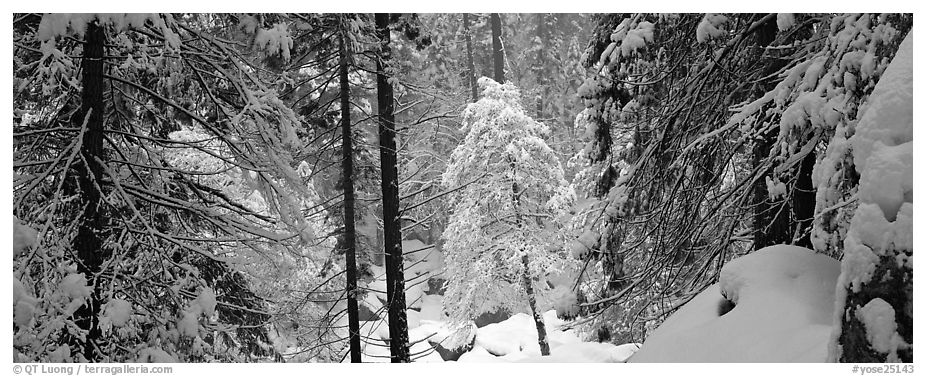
{"x":519,"y":334}
{"x":586,"y":352}
{"x":515,"y":340}
{"x":783,"y":307}
{"x":421,"y":262}
{"x":512,"y":340}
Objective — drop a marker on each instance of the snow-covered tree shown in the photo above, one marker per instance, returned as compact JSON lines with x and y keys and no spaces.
{"x":503,"y":235}
{"x":140,"y":248}
{"x":873,"y":321}
{"x":695,"y":122}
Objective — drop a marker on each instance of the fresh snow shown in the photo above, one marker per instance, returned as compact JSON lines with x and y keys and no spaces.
{"x":117,"y":312}
{"x":511,"y":340}
{"x":23,"y":304}
{"x":24,"y":237}
{"x":882,"y":224}
{"x":586,"y":352}
{"x":880,"y":327}
{"x":515,"y":340}
{"x":783,"y":311}
{"x":785,"y":21}
{"x":709,"y":27}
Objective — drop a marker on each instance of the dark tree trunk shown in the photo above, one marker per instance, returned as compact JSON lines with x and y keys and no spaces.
{"x":498,"y":53}
{"x":392,"y":231}
{"x":347,"y":183}
{"x":803,"y":200}
{"x":88,"y":244}
{"x":770,"y":219}
{"x":470,"y":64}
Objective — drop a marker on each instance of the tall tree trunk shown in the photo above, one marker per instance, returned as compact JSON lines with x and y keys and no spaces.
{"x":803,"y":200}
{"x":498,"y":53}
{"x":392,"y":231}
{"x":470,"y":64}
{"x":88,"y":244}
{"x":541,"y":62}
{"x":347,"y":183}
{"x":770,"y":219}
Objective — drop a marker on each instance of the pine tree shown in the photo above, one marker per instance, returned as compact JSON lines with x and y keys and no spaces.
{"x":501,"y":239}
{"x":347,"y":184}
{"x":498,"y":51}
{"x":395,"y":277}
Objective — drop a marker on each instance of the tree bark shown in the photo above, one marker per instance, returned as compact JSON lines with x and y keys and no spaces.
{"x":347,"y":183}
{"x":498,"y":53}
{"x":526,"y":282}
{"x":88,"y":244}
{"x":532,"y":302}
{"x":392,"y":231}
{"x":541,"y":62}
{"x":470,"y":64}
{"x":803,"y":201}
{"x":771,"y":220}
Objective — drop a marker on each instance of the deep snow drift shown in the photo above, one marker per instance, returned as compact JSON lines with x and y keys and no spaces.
{"x":782,"y":311}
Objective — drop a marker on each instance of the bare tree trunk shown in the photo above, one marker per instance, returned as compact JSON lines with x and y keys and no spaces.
{"x":470,"y":64}
{"x":88,"y":244}
{"x":392,"y":231}
{"x":498,"y":54}
{"x":347,"y":182}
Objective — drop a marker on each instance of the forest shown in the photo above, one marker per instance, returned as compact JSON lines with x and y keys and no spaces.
{"x":491,"y":187}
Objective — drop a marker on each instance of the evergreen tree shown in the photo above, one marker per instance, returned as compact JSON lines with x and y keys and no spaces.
{"x":501,"y":240}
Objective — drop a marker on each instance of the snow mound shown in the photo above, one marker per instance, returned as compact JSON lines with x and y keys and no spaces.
{"x":782,"y":305}
{"x":586,"y":352}
{"x":519,"y":334}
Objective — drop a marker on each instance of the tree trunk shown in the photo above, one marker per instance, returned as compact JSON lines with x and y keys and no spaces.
{"x":88,"y":244}
{"x":526,"y":283}
{"x":541,"y":62}
{"x":498,"y":54}
{"x":803,"y":201}
{"x":532,"y":302}
{"x":347,"y":183}
{"x":770,"y":219}
{"x":470,"y":64}
{"x":392,"y":232}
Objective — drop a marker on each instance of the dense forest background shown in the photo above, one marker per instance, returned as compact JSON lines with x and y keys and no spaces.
{"x":259,"y":187}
